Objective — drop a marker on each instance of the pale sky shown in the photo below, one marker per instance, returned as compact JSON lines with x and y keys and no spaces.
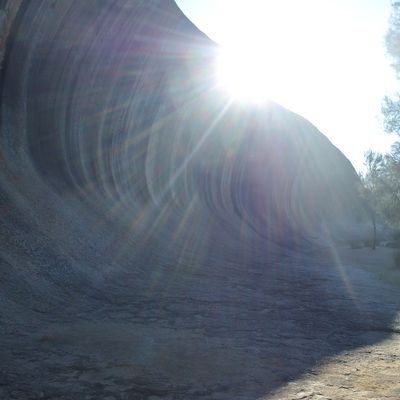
{"x":325,"y":58}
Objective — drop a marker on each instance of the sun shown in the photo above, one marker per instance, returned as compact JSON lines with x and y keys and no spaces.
{"x":244,"y":72}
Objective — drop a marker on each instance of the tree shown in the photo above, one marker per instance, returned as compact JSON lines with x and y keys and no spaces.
{"x":381,"y":184}
{"x":392,"y":39}
{"x":391,"y":112}
{"x":391,"y":106}
{"x":382,"y":178}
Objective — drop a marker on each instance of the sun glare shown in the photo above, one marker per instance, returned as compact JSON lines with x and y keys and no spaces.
{"x":243,"y":72}
{"x":291,"y":52}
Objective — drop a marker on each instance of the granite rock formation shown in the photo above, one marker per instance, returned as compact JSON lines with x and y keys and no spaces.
{"x":158,"y":239}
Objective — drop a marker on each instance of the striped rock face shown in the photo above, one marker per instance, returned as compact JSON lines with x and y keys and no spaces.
{"x":128,"y":177}
{"x":118,"y":103}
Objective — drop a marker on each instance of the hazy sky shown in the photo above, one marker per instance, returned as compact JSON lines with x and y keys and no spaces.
{"x":326,"y":59}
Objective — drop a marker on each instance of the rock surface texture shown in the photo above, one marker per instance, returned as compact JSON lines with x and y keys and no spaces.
{"x":159,"y":241}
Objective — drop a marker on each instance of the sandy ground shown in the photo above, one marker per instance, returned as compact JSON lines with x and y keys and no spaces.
{"x":371,"y":372}
{"x":368,"y":373}
{"x":379,"y":261}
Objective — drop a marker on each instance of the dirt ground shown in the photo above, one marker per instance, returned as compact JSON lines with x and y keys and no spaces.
{"x":368,"y":373}
{"x":379,"y":261}
{"x":371,"y":372}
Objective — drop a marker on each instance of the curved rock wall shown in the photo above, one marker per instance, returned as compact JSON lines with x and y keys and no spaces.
{"x":111,"y":112}
{"x":147,"y":221}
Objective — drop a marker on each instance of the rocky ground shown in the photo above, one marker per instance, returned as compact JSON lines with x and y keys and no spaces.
{"x":305,"y":328}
